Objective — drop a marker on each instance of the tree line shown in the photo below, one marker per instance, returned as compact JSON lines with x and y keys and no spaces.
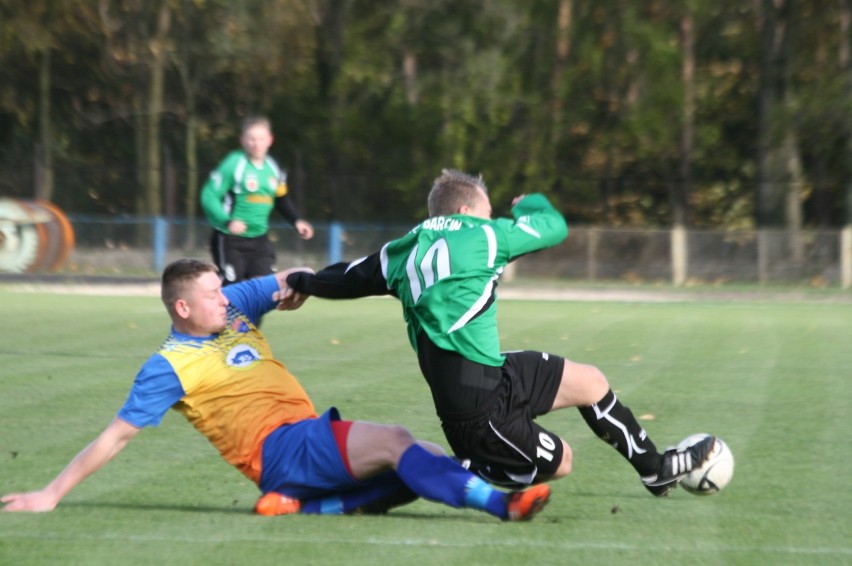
{"x":701,"y":113}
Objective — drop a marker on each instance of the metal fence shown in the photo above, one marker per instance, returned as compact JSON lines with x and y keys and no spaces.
{"x":814,"y":257}
{"x":821,"y":258}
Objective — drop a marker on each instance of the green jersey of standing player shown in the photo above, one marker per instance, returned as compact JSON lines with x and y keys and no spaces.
{"x":238,"y":199}
{"x":240,"y":189}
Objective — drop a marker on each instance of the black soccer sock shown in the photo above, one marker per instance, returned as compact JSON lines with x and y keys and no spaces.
{"x":615,"y":424}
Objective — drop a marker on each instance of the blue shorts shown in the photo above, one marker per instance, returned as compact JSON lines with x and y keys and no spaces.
{"x":302,"y":460}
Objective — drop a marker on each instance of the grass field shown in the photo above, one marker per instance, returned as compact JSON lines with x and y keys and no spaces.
{"x":773,"y":379}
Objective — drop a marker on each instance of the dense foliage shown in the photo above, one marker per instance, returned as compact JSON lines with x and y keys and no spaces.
{"x":650,"y":113}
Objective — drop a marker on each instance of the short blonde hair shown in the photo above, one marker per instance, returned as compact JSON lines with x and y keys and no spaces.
{"x":452,"y":190}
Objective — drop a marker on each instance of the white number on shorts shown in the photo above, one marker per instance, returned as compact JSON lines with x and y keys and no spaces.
{"x":547,"y":447}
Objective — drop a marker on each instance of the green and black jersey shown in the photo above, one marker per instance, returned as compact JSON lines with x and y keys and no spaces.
{"x":444,"y":272}
{"x":239,"y":190}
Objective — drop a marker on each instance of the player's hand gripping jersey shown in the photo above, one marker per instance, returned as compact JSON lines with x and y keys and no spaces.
{"x":227,"y":385}
{"x":445,"y":273}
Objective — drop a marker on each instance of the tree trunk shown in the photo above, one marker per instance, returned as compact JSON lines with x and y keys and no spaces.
{"x":140,"y":136}
{"x":845,"y":64}
{"x":409,"y":72}
{"x":781,"y":176}
{"x":793,"y":201}
{"x":44,"y":152}
{"x":682,"y":190}
{"x":169,"y":184}
{"x":329,"y":53}
{"x":563,"y":48}
{"x":153,"y":188}
{"x":770,"y":189}
{"x":184,"y":66}
{"x":192,"y":174}
{"x":329,"y":57}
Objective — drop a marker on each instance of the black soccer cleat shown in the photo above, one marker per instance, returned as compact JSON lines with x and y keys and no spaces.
{"x":661,"y":490}
{"x":676,"y":463}
{"x":382,"y":505}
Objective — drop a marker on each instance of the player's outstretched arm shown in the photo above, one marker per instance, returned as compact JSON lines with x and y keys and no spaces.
{"x":89,"y":460}
{"x":360,"y":278}
{"x":288,"y":298}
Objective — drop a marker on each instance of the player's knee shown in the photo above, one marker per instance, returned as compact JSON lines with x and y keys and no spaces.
{"x":589,"y":386}
{"x":566,"y":464}
{"x":431,"y":447}
{"x":597,"y":383}
{"x":560,"y":469}
{"x":582,"y":385}
{"x":398,"y":439}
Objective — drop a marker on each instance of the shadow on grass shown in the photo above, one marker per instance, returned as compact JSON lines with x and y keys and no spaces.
{"x":233,"y":510}
{"x":440,"y":514}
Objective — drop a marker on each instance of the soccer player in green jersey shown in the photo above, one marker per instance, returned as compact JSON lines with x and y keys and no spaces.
{"x":445,"y":272}
{"x":238,"y":199}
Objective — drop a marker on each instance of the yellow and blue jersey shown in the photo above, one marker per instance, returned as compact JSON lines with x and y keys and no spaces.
{"x":227,"y":385}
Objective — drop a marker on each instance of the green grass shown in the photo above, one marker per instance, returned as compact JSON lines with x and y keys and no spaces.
{"x":772,"y":379}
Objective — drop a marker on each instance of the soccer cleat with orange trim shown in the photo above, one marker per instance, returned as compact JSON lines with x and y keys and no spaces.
{"x":273,"y":503}
{"x":523,"y":505}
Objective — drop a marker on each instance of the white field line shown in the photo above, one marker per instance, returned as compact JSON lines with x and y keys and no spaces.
{"x":281,"y":538}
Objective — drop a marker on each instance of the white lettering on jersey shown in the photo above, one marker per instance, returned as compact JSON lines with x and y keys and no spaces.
{"x":442,"y":223}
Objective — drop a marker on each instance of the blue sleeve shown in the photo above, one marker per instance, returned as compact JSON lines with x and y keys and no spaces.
{"x":155,"y":389}
{"x":253,"y":297}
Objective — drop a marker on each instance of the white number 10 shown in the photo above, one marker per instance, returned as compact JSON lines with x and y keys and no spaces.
{"x":435,"y":265}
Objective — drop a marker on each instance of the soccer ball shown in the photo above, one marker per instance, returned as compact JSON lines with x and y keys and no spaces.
{"x":716,"y":472}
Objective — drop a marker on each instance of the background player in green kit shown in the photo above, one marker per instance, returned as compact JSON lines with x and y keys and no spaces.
{"x":445,"y":272}
{"x":238,"y":198}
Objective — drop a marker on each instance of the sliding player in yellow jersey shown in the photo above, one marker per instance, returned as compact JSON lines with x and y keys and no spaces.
{"x":218,"y":370}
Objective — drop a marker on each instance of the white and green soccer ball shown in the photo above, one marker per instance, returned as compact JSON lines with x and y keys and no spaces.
{"x":715,"y":473}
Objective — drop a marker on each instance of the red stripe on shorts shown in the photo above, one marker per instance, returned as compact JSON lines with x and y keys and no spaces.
{"x":340,"y":429}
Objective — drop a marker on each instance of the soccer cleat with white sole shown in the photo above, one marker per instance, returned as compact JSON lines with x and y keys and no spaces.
{"x":676,"y":464}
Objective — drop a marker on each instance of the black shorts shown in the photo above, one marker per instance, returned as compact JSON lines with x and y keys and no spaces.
{"x":240,"y":258}
{"x":504,"y":444}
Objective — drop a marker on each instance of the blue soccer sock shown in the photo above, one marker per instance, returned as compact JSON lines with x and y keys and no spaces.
{"x":442,"y":479}
{"x":379,"y":495}
{"x":331,"y":505}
